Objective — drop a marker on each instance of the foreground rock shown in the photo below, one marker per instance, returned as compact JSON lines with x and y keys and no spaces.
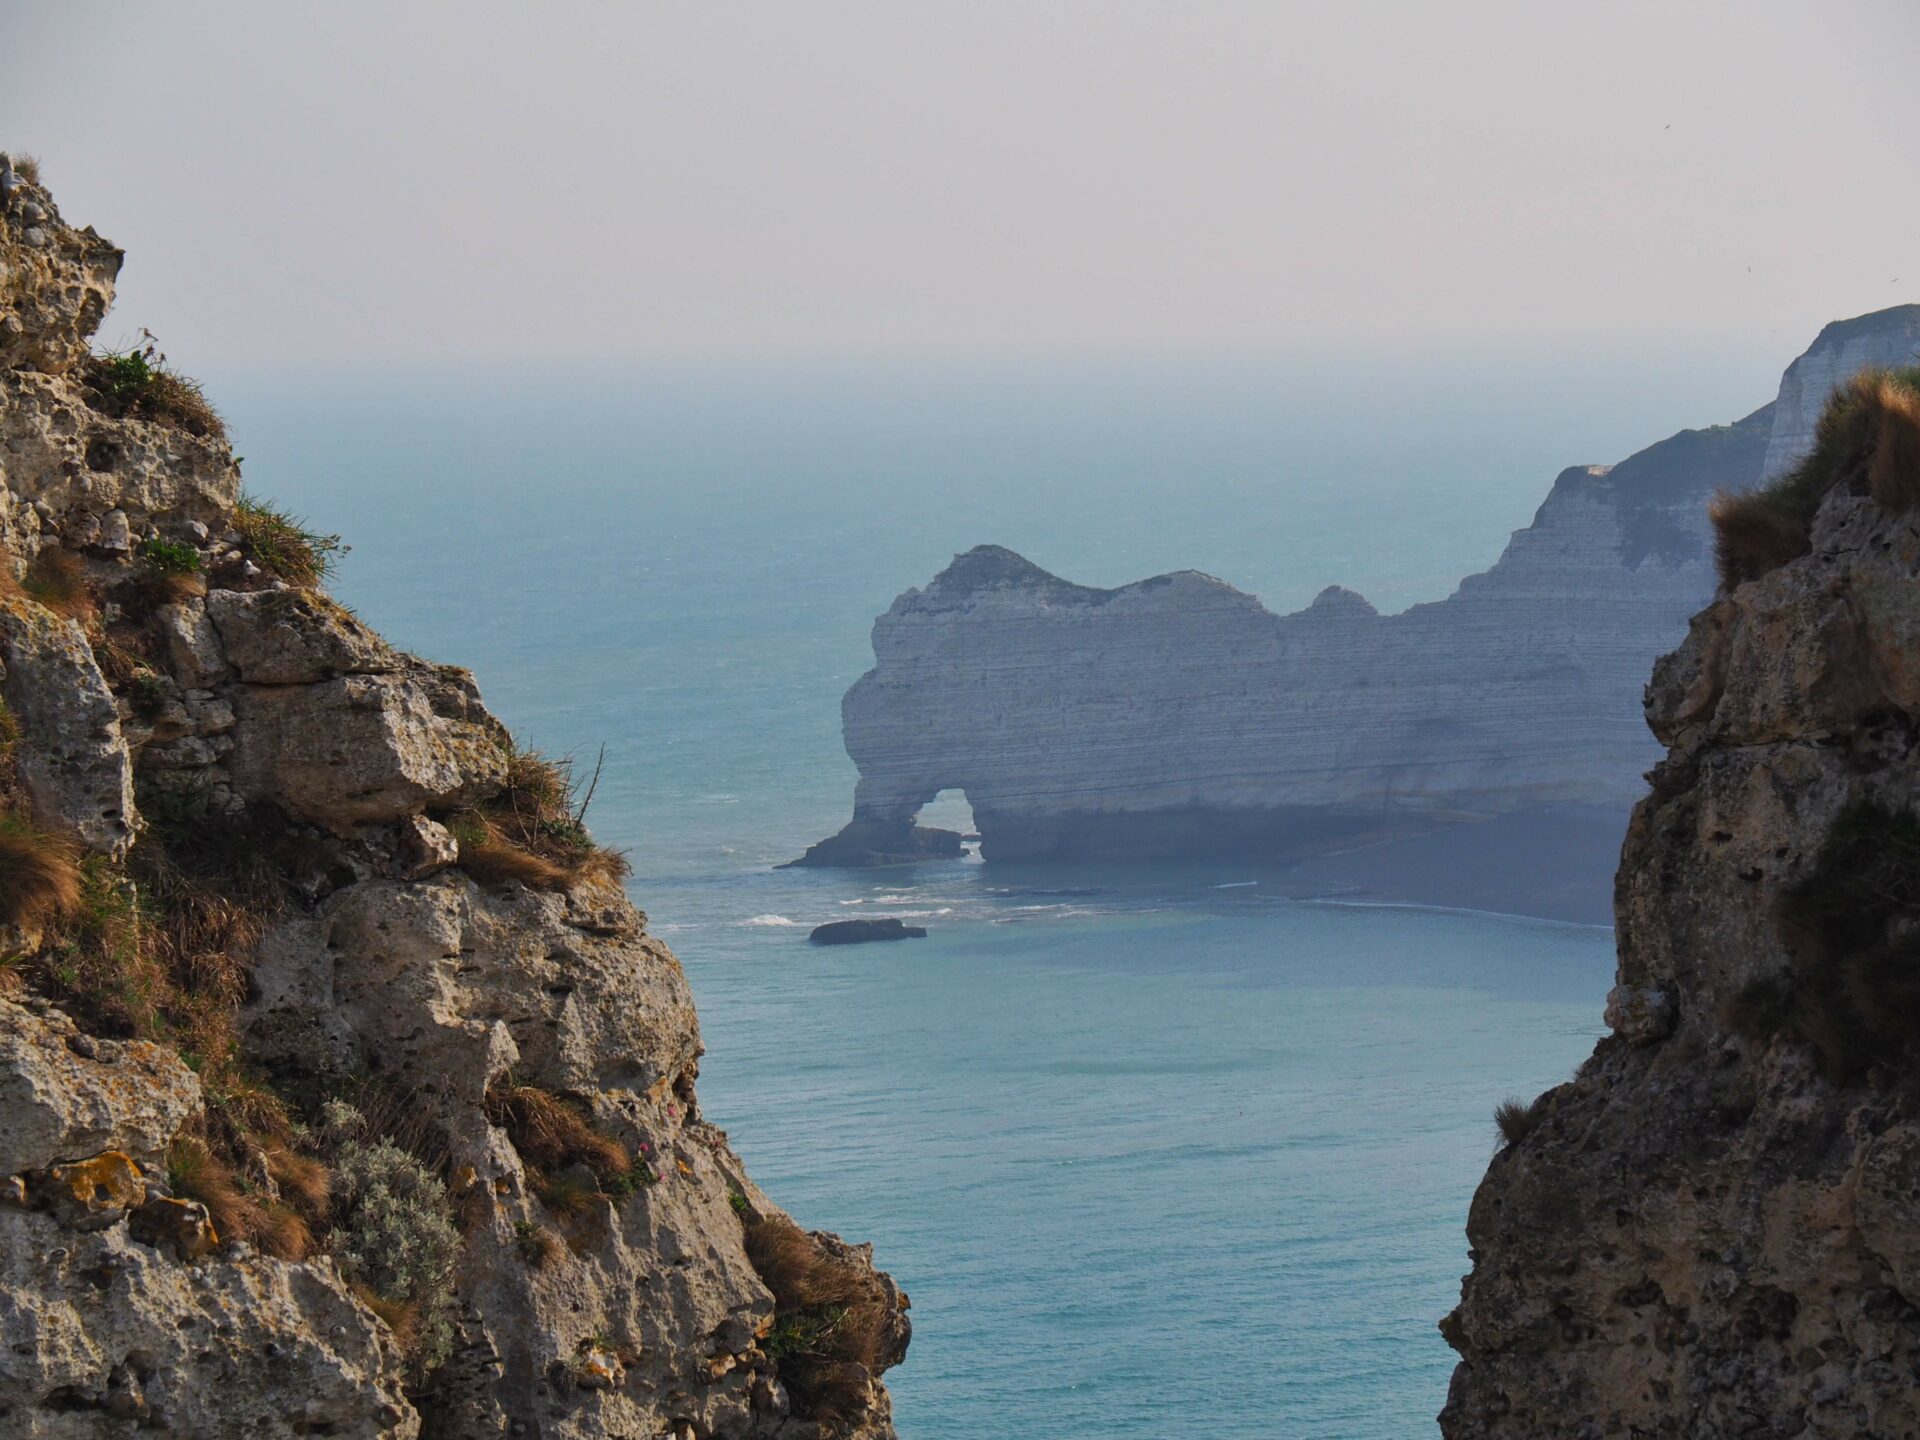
{"x":258,"y":862}
{"x":1713,"y":1229}
{"x":1177,"y":716}
{"x":865,"y":932}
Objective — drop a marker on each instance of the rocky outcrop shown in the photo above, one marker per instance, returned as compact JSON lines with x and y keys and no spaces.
{"x":251,"y":835}
{"x":1178,"y":716}
{"x":1710,"y":1231}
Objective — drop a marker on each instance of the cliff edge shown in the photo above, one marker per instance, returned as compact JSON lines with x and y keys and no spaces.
{"x":1713,"y":1229}
{"x":342,"y":1089}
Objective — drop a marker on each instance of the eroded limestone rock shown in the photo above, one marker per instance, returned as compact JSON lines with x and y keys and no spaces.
{"x":1711,"y":1232}
{"x":365,"y":748}
{"x":65,"y":1096}
{"x":72,"y":757}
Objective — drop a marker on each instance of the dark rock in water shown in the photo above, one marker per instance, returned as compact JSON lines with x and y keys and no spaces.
{"x":864,"y":844}
{"x":860,"y":932}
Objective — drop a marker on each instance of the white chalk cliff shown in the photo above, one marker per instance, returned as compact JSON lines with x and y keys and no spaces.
{"x":1177,"y":715}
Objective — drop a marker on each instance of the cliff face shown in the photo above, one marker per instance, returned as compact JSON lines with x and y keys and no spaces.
{"x":1177,"y":715}
{"x":342,"y":1090}
{"x":1714,"y":1228}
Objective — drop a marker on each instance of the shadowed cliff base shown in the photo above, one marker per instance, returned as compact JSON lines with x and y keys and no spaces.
{"x":1553,"y":863}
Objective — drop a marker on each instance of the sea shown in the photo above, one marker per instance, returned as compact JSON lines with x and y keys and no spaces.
{"x":1154,"y":1150}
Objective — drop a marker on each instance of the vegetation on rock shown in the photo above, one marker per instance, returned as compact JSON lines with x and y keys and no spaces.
{"x":533,"y":832}
{"x":393,"y":1234}
{"x":138,"y":383}
{"x":835,"y":1327}
{"x":1868,"y":442}
{"x":282,"y":545}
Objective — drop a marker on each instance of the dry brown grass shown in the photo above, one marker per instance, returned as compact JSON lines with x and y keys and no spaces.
{"x":239,"y":1212}
{"x":533,"y":832}
{"x":40,"y":875}
{"x":58,"y":580}
{"x":402,"y":1317}
{"x":1867,"y":442}
{"x":537,"y":1245}
{"x":551,"y":1132}
{"x":1516,"y":1118}
{"x":27,"y":167}
{"x":835,"y":1326}
{"x":1752,"y":536}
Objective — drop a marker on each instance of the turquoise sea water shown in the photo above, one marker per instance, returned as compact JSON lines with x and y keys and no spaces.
{"x":1154,"y":1151}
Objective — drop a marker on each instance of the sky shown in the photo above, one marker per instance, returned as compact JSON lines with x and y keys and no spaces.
{"x":450,"y":183}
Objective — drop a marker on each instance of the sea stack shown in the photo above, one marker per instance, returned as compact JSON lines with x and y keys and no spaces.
{"x":342,"y":1089}
{"x":1177,"y":716}
{"x":1713,"y":1229}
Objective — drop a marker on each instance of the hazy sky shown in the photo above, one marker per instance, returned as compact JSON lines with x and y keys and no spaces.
{"x":318,"y":182}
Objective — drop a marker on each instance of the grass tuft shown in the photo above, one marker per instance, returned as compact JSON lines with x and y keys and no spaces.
{"x":536,"y":1244}
{"x":57,"y":579}
{"x":40,"y":876}
{"x":552,"y":1133}
{"x":1867,"y":441}
{"x":27,"y":167}
{"x":281,"y":545}
{"x":534,"y":832}
{"x":1516,"y":1118}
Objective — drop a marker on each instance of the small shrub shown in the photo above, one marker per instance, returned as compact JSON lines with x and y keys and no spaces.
{"x":1868,"y":441}
{"x":40,"y":875}
{"x":394,"y":1234}
{"x":173,"y":571}
{"x":835,"y":1326}
{"x":282,"y":545}
{"x":139,"y":383}
{"x":1516,"y":1118}
{"x":738,"y":1201}
{"x":27,"y":167}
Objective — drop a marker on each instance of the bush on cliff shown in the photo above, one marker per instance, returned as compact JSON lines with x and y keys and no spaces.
{"x":557,"y":1141}
{"x":834,"y":1326}
{"x":1868,"y":440}
{"x":1852,"y":930}
{"x":58,"y":580}
{"x":393,"y":1236}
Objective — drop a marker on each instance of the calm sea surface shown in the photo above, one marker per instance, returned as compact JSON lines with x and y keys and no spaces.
{"x":1154,"y":1151}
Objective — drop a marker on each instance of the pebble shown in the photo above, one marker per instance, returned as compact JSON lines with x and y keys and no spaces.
{"x":33,"y":213}
{"x":36,"y":237}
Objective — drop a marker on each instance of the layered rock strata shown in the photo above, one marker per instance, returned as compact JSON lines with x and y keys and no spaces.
{"x":172,"y":685}
{"x":1178,"y":716}
{"x":1713,"y":1229}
